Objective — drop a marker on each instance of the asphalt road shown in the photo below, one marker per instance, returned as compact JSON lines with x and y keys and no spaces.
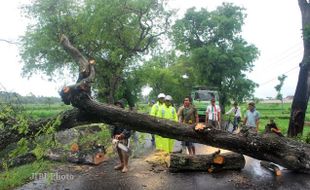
{"x":145,"y":176}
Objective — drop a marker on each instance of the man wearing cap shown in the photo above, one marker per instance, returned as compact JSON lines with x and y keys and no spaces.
{"x":155,"y":110}
{"x":213,"y":114}
{"x":167,"y":112}
{"x":251,"y":119}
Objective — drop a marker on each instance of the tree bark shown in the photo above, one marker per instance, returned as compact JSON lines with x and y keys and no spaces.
{"x":283,"y":151}
{"x":210,"y":163}
{"x":302,"y":92}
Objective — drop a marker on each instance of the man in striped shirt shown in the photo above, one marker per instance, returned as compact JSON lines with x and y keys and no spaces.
{"x":213,"y":114}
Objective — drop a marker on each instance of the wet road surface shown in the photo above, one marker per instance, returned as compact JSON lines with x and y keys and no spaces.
{"x":142,"y":175}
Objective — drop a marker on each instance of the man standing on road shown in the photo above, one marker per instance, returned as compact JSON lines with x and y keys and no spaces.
{"x":237,"y":115}
{"x":188,"y":114}
{"x":121,"y":135}
{"x":167,"y":112}
{"x":155,"y":110}
{"x":251,"y":119}
{"x":213,"y":115}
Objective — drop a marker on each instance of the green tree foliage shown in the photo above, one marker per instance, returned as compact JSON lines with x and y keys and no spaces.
{"x":114,"y":33}
{"x":165,"y":73}
{"x":279,"y":86}
{"x":216,"y":50}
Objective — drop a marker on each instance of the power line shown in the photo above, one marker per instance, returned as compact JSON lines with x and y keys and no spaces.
{"x":286,"y":56}
{"x":266,"y":82}
{"x":9,"y":42}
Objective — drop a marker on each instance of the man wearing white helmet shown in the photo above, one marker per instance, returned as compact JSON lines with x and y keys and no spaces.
{"x":167,"y":112}
{"x":170,"y":111}
{"x":155,"y":109}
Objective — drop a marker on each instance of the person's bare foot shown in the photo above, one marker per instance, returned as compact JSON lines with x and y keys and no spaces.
{"x":125,"y":169}
{"x":118,"y":167}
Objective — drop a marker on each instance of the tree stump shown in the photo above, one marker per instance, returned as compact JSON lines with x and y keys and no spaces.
{"x":212,"y":162}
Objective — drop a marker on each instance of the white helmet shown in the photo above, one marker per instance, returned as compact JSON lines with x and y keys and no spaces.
{"x":169,"y":98}
{"x":161,"y":95}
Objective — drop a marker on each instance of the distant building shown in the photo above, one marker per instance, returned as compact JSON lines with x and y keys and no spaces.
{"x":289,"y":98}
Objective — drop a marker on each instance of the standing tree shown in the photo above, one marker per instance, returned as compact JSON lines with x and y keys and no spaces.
{"x":301,"y":97}
{"x":114,"y":33}
{"x":216,"y":49}
{"x":163,"y":73}
{"x":279,"y":87}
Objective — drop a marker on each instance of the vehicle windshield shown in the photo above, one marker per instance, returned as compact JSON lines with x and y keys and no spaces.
{"x":204,"y":95}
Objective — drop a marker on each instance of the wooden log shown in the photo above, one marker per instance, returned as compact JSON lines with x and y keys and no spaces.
{"x":271,"y":167}
{"x":210,"y":163}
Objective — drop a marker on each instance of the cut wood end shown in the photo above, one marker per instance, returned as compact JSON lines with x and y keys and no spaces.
{"x":199,"y":127}
{"x":210,"y":170}
{"x":277,"y":172}
{"x":218,"y":159}
{"x":74,"y":148}
{"x":99,"y":158}
{"x":66,"y":89}
{"x":92,"y":62}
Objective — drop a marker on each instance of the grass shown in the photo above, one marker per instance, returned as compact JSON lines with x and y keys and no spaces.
{"x":281,"y":115}
{"x":38,"y":111}
{"x":20,"y":175}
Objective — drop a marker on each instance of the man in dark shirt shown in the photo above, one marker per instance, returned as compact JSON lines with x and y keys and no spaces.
{"x":121,"y":135}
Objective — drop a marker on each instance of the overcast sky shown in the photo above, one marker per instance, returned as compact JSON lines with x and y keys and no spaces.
{"x":274,"y":27}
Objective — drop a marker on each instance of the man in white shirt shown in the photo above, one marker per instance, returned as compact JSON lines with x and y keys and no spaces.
{"x":237,"y":115}
{"x":213,"y":114}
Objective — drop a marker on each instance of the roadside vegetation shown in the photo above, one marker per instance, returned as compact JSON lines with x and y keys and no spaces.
{"x":18,"y":176}
{"x":280,"y":114}
{"x":39,"y":111}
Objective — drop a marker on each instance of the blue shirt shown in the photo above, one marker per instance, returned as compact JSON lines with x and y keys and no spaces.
{"x":252,"y":117}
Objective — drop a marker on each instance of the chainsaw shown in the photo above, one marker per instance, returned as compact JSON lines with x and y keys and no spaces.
{"x":120,"y":145}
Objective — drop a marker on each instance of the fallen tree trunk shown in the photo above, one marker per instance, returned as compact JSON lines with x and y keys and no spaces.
{"x":210,"y":163}
{"x":283,"y":151}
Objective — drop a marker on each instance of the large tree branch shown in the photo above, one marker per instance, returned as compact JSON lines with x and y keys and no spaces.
{"x":86,"y":74}
{"x":286,"y":152}
{"x":75,"y":53}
